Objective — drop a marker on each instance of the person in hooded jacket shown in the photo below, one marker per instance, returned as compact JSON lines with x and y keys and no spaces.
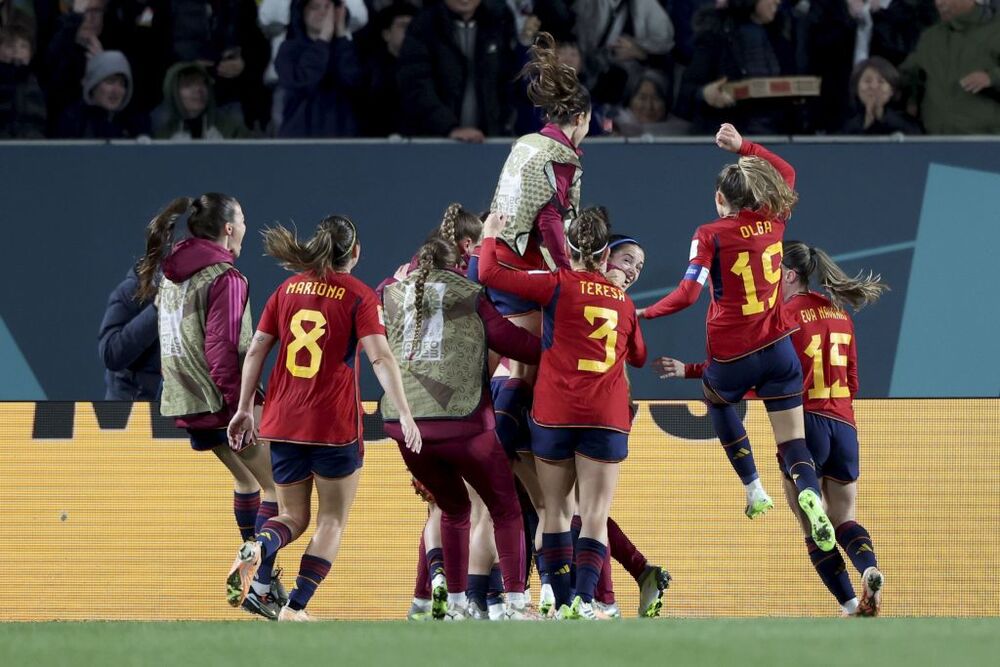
{"x":129,"y":344}
{"x":103,"y":112}
{"x":189,"y":110}
{"x":319,"y":72}
{"x":22,"y":102}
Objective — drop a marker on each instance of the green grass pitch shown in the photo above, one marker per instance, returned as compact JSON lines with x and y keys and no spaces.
{"x":903,"y":642}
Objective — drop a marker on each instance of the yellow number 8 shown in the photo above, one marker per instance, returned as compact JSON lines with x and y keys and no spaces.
{"x":305,"y":340}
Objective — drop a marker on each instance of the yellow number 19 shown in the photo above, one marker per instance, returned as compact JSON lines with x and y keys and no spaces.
{"x":305,"y":340}
{"x":771,"y":275}
{"x":607,"y":332}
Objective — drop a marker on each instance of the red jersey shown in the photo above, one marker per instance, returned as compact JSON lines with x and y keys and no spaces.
{"x":829,"y":355}
{"x":313,"y":395}
{"x":742,"y":258}
{"x":589,"y":331}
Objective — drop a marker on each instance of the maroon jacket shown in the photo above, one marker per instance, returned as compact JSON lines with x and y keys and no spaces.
{"x":509,"y":340}
{"x":227,"y":299}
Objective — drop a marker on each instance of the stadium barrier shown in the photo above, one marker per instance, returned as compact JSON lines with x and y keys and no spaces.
{"x":110,"y":515}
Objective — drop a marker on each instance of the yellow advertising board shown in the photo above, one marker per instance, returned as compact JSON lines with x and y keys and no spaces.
{"x":108,"y":514}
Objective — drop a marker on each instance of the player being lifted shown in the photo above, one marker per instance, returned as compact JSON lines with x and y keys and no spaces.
{"x":747,"y":331}
{"x":312,"y":414}
{"x":580,"y":416}
{"x":827,"y":348}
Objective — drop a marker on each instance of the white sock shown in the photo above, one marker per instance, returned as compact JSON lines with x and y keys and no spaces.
{"x":421,"y":603}
{"x":517,"y":600}
{"x":547,"y":593}
{"x":755,"y":487}
{"x":495,"y":611}
{"x":260,"y":589}
{"x":457,"y":599}
{"x":850,"y":606}
{"x":438,"y":581}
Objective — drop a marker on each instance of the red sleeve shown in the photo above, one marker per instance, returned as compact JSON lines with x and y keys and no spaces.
{"x":550,"y":225}
{"x":786,"y":170}
{"x":852,"y":365}
{"x":507,"y":339}
{"x":694,"y":370}
{"x":637,"y":346}
{"x":537,"y":286}
{"x":684,"y":296}
{"x":368,"y":319}
{"x":227,"y":299}
{"x":269,"y":318}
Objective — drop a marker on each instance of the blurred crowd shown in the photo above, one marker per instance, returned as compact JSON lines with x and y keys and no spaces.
{"x":223,"y":69}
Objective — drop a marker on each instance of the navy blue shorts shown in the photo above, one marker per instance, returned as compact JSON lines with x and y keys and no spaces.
{"x":556,"y":443}
{"x":509,"y":304}
{"x":207,"y":439}
{"x":512,"y":429}
{"x":774,"y":372}
{"x":834,"y":448}
{"x":293,"y":463}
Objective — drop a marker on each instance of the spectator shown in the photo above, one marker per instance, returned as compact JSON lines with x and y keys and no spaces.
{"x":830,"y":39}
{"x":895,"y":28}
{"x":103,"y":112}
{"x":682,"y":13}
{"x":456,"y":69}
{"x":875,"y":83}
{"x":533,"y":16}
{"x":740,"y":42}
{"x":17,"y":11}
{"x":955,"y":70}
{"x":188,"y":110}
{"x":619,"y":39}
{"x":128,"y":27}
{"x":383,"y":116}
{"x":77,"y":38}
{"x":22,"y":104}
{"x":129,"y":344}
{"x":645,"y":112}
{"x":225,"y":36}
{"x":318,"y":72}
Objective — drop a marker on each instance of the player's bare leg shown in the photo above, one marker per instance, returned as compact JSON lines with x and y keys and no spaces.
{"x":597,"y":482}
{"x":482,"y":556}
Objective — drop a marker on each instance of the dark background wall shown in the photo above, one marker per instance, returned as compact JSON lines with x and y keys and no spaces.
{"x":73,"y":216}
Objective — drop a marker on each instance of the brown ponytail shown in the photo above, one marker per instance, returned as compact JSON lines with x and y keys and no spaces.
{"x":437,"y":253}
{"x":159,"y":235}
{"x":330,"y":248}
{"x":552,"y":85}
{"x":844,"y":290}
{"x":754,"y":184}
{"x":588,"y":237}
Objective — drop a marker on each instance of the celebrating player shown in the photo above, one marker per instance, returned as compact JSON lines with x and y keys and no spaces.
{"x":538,"y":189}
{"x":580,"y":417}
{"x":440,"y":327}
{"x":827,"y":349}
{"x":204,"y":330}
{"x":747,"y":331}
{"x":312,"y":414}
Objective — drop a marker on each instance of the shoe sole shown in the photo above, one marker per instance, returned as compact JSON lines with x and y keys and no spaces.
{"x":439,"y":602}
{"x":870,"y":605}
{"x":240,"y":577}
{"x":822,"y":529}
{"x":663,"y":580}
{"x":257,"y":610}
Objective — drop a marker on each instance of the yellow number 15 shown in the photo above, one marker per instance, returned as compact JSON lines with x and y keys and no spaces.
{"x":815,"y":351}
{"x":606,"y":332}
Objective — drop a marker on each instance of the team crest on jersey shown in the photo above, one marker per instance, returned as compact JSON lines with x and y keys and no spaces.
{"x":171,"y":315}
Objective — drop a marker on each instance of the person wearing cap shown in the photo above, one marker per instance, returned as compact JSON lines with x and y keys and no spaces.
{"x":103,"y":112}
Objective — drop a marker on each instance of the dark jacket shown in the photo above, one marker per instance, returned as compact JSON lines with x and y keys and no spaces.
{"x":831,"y":33}
{"x":22,"y":103}
{"x":64,"y":64}
{"x":85,"y":121}
{"x":213,"y":123}
{"x":129,"y":345}
{"x":718,"y":54}
{"x":432,"y":71}
{"x":383,"y":114}
{"x":893,"y":121}
{"x":319,"y":79}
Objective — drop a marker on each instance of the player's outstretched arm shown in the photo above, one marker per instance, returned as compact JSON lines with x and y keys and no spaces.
{"x":387,"y":371}
{"x":242,"y":430}
{"x":729,"y":139}
{"x":537,"y":286}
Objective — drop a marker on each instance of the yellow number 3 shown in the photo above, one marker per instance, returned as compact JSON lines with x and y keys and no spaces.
{"x":305,"y":340}
{"x":607,"y":332}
